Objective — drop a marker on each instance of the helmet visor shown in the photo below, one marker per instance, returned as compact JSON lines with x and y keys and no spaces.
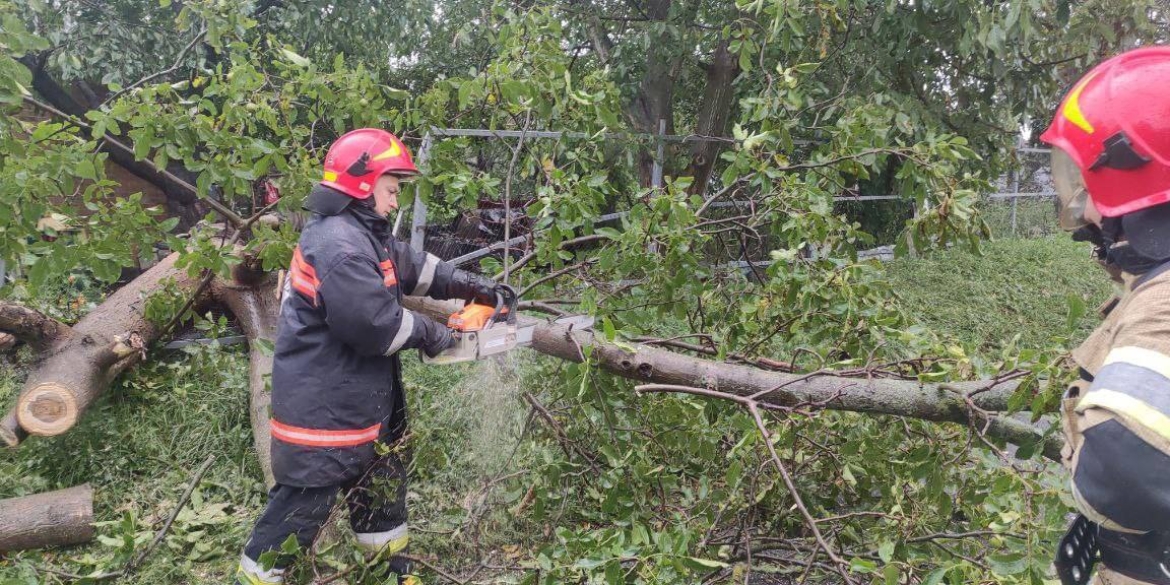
{"x":1071,"y":196}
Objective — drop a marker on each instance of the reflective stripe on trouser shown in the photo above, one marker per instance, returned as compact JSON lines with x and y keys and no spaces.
{"x":376,"y":500}
{"x":387,"y":543}
{"x":251,"y":573}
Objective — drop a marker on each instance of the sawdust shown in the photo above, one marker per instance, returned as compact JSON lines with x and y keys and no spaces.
{"x":492,"y":395}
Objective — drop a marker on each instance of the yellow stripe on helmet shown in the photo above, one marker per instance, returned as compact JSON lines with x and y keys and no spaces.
{"x":394,"y":150}
{"x":1072,"y":106}
{"x":330,"y":176}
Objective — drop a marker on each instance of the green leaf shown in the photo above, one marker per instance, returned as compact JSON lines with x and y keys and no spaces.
{"x":1076,"y":310}
{"x":886,"y":550}
{"x":860,"y":565}
{"x":892,"y":574}
{"x":1008,"y":564}
{"x":296,"y":59}
{"x":707,"y":563}
{"x":588,"y":564}
{"x":290,"y":545}
{"x":936,"y":576}
{"x":609,"y":232}
{"x":847,"y":475}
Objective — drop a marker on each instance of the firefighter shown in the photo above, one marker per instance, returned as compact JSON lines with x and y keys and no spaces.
{"x":1111,"y":164}
{"x":336,"y":375}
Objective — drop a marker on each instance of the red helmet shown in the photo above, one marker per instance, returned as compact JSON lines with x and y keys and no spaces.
{"x":359,"y":157}
{"x":1111,"y":136}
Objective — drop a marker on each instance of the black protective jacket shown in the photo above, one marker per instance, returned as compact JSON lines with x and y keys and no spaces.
{"x":336,"y":375}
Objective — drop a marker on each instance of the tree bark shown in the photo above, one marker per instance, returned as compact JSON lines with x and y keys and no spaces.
{"x":10,"y":430}
{"x":77,"y":368}
{"x":714,"y":111}
{"x":935,"y":402}
{"x":257,"y":309}
{"x":183,"y":201}
{"x":59,"y":518}
{"x":654,"y":100}
{"x":31,"y":327}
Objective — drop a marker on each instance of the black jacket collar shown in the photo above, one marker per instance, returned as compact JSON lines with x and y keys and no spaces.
{"x":327,"y":201}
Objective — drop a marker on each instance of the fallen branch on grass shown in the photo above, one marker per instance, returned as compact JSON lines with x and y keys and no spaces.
{"x":840,"y":566}
{"x":137,"y":559}
{"x":58,"y":518}
{"x":950,"y":402}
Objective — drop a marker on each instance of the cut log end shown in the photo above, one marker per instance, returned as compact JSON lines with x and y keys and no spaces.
{"x":47,"y":410}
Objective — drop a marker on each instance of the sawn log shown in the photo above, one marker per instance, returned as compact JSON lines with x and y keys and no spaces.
{"x":59,"y":518}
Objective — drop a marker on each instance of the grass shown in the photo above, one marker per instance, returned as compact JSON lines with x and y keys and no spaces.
{"x":1016,"y":287}
{"x":140,"y":443}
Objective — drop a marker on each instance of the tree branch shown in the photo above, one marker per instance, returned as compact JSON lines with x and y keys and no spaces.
{"x":152,"y":77}
{"x":32,"y":327}
{"x":864,"y":392}
{"x":750,"y":403}
{"x":565,"y":244}
{"x":117,"y":145}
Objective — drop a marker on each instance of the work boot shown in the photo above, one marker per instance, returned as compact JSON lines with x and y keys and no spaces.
{"x":383,"y":551}
{"x":251,"y":573}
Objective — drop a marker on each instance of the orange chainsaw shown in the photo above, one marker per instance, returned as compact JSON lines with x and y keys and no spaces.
{"x":481,"y":331}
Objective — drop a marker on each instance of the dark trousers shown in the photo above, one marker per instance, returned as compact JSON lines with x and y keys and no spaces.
{"x":376,"y":501}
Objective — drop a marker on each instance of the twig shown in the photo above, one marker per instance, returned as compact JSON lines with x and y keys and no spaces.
{"x":562,"y":438}
{"x":753,"y":407}
{"x":961,"y":535}
{"x":542,"y":307}
{"x":721,"y":193}
{"x":841,"y":565}
{"x":158,"y":537}
{"x":551,"y":276}
{"x":531,"y":255}
{"x":149,"y":78}
{"x":508,"y":192}
{"x":441,"y":572}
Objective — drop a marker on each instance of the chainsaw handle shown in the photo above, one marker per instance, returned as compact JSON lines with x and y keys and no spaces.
{"x":506,"y":297}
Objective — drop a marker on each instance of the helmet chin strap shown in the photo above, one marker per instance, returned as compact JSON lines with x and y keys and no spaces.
{"x":1114,"y":251}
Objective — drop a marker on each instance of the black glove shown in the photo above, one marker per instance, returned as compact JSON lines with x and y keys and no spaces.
{"x":436,"y":337}
{"x":473,"y":287}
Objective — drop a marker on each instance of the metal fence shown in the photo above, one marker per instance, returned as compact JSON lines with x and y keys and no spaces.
{"x":1021,"y":206}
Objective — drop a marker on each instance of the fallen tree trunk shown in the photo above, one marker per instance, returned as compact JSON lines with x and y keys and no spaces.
{"x":257,"y":308}
{"x":935,"y":402}
{"x":84,"y":361}
{"x":80,"y":361}
{"x":59,"y":518}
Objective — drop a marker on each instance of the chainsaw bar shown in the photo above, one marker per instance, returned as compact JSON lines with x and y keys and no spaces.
{"x":498,"y":338}
{"x":574,"y":322}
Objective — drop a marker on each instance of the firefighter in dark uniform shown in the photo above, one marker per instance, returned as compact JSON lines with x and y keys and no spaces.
{"x":1111,"y":164}
{"x":336,"y":376}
